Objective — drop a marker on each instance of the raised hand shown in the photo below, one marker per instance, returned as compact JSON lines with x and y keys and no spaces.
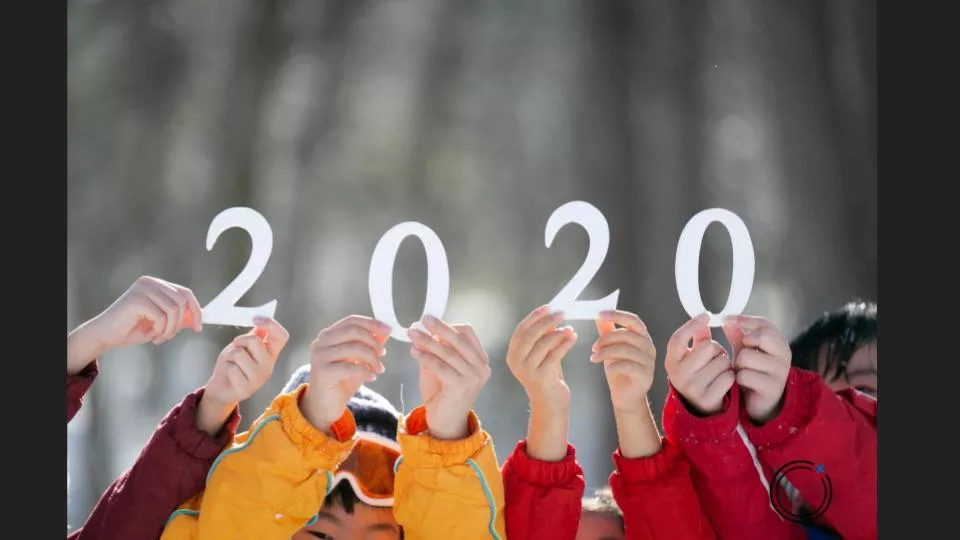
{"x":453,"y":369}
{"x":150,"y":310}
{"x":342,"y":358}
{"x":628,"y":357}
{"x":702,"y":374}
{"x":761,"y":362}
{"x":242,"y":368}
{"x":534,"y":355}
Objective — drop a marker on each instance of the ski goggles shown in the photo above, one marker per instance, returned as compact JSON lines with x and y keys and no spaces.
{"x":369,"y":469}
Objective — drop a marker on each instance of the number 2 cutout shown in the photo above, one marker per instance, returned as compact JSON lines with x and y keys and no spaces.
{"x":590,"y":218}
{"x":687,"y":268}
{"x":223,"y":309}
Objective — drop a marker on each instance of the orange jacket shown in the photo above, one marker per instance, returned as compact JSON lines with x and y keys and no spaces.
{"x":274,"y":478}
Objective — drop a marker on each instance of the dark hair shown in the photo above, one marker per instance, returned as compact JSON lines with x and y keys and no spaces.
{"x":343,"y":496}
{"x":603,"y":502}
{"x":838,"y":334}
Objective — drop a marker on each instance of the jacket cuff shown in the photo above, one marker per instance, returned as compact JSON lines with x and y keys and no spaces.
{"x":79,"y":383}
{"x":314,"y":443}
{"x":180,"y":425}
{"x":798,"y":395}
{"x":681,"y":425}
{"x":544,"y":473}
{"x":423,"y":451}
{"x":647,"y":469}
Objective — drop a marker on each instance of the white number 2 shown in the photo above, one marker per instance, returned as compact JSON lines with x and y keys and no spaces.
{"x":590,"y":218}
{"x":688,"y":263}
{"x":381,"y":275}
{"x":223,"y":309}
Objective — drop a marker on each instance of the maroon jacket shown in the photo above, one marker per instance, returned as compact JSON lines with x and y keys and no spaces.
{"x":171,"y":468}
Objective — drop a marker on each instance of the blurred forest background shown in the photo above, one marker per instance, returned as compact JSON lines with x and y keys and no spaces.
{"x":337,"y":119}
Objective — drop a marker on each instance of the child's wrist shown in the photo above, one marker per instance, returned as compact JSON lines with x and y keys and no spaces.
{"x":212,"y":413}
{"x":83,"y":347}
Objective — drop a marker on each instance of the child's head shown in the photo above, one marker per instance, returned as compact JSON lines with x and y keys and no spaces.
{"x":360,"y":506}
{"x":842,"y":347}
{"x":601,"y":518}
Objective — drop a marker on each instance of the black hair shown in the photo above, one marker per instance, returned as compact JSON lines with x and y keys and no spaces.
{"x":344,"y":497}
{"x":603,"y":503}
{"x":838,"y":334}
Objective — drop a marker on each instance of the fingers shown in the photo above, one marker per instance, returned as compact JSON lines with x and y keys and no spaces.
{"x":340,"y":334}
{"x":351,"y":352}
{"x":467,"y":331}
{"x":697,"y":327}
{"x":755,"y":360}
{"x":701,"y":354}
{"x":625,"y":319}
{"x":628,"y":368}
{"x":172,"y":314}
{"x":605,"y":327}
{"x":239,"y":357}
{"x":559,"y":352}
{"x":525,"y":338}
{"x":193,"y":317}
{"x":758,"y":382}
{"x":343,"y":371}
{"x":434,"y":364}
{"x":719,"y":387}
{"x":624,"y":336}
{"x":735,"y":336}
{"x":257,"y":350}
{"x":546,"y":345}
{"x":532,"y":318}
{"x":709,"y":373}
{"x":768,"y":340}
{"x":460,"y":343}
{"x":379,"y":329}
{"x":276,"y":335}
{"x":442,"y":351}
{"x":153,"y":314}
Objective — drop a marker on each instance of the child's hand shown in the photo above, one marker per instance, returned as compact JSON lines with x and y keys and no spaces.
{"x":342,"y":358}
{"x":702,"y":374}
{"x":762,"y":363}
{"x":628,"y":356}
{"x":241,"y":369}
{"x":534,"y":355}
{"x":453,"y":369}
{"x":150,"y":310}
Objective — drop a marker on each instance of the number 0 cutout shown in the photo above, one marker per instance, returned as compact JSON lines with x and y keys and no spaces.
{"x":381,"y":275}
{"x":223,"y":309}
{"x":688,"y":263}
{"x":590,"y":218}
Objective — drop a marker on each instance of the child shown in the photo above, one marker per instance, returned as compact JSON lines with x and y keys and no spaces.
{"x":543,"y":482}
{"x":192,"y":434}
{"x":786,"y":415}
{"x":284,"y":477}
{"x":601,"y":518}
{"x":842,"y":347}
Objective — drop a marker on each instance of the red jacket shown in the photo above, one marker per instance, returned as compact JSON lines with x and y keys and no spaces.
{"x":171,"y":468}
{"x":543,"y":499}
{"x":837,"y":431}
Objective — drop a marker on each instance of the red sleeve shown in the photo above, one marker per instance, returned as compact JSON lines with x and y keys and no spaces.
{"x":171,"y":469}
{"x":542,"y":498}
{"x":657,"y":498}
{"x":727,"y":481}
{"x":836,"y":434}
{"x":77,"y":386}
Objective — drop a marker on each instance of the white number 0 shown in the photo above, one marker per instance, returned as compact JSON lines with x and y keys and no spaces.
{"x":223,"y":309}
{"x":687,"y":267}
{"x":590,"y":218}
{"x":381,"y":275}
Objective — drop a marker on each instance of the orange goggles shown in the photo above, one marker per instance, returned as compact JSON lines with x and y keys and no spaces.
{"x":369,"y":469}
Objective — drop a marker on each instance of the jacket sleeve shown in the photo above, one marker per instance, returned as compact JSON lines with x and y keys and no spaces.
{"x":447,"y":489}
{"x":77,"y":386}
{"x":171,"y":468}
{"x":826,"y":443}
{"x":543,"y":498}
{"x":731,"y":489}
{"x":657,"y":497}
{"x":271,"y":482}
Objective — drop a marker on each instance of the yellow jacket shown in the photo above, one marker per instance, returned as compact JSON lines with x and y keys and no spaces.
{"x":273,"y":479}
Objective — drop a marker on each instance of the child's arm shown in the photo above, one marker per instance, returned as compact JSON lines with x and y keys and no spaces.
{"x":543,"y":483}
{"x":448,"y":482}
{"x":274,"y":478}
{"x":700,"y":418}
{"x":151,"y":309}
{"x":174,"y":464}
{"x":651,"y":483}
{"x":792,"y":416}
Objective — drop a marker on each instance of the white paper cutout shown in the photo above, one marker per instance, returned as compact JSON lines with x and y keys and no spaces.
{"x":222,"y":309}
{"x":381,"y":275}
{"x":687,"y":267}
{"x":590,"y":218}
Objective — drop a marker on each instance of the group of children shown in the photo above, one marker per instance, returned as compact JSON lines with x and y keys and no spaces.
{"x":330,"y":458}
